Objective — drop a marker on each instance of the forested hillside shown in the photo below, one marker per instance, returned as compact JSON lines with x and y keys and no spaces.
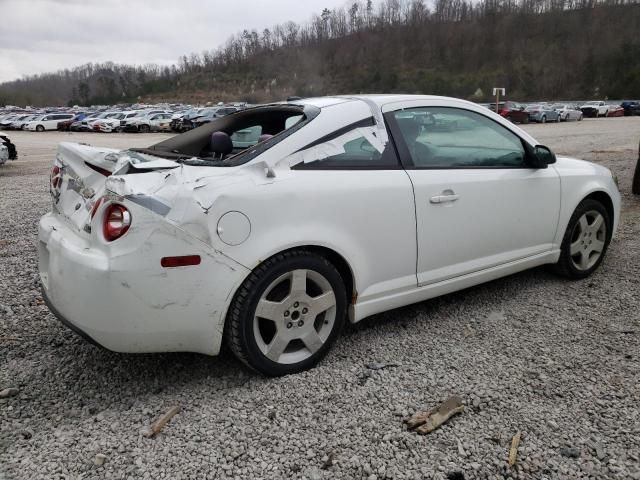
{"x":535,"y":48}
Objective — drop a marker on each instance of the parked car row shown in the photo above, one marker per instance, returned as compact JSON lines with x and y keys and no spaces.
{"x":140,"y":120}
{"x":181,"y":118}
{"x":562,"y":112}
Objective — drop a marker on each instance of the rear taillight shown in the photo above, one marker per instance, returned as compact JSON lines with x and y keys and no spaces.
{"x":117,"y":221}
{"x":56,"y":177}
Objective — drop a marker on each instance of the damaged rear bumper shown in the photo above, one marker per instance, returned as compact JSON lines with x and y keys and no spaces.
{"x":120,"y":297}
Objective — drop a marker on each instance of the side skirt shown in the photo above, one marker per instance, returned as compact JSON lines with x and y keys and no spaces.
{"x":371,"y":307}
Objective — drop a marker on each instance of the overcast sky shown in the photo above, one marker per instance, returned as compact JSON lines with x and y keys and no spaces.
{"x":39,"y":36}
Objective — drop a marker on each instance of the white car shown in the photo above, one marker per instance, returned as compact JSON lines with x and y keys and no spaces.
{"x":47,"y":122}
{"x":7,"y":120}
{"x":109,"y":119}
{"x":112,"y":122}
{"x":568,"y":112}
{"x":343,"y":207}
{"x":158,"y":122}
{"x":19,"y":121}
{"x":139,"y":122}
{"x":596,"y":108}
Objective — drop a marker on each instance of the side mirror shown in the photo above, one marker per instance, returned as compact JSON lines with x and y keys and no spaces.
{"x":543,"y":156}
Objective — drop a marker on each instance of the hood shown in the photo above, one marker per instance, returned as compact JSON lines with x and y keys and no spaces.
{"x":577,"y":166}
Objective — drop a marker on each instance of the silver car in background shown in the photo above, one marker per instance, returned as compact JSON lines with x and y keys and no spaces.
{"x":568,"y":112}
{"x":542,"y":113}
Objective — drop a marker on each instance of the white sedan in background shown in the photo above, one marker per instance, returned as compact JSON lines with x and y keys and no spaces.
{"x":341,"y":208}
{"x":155,"y":122}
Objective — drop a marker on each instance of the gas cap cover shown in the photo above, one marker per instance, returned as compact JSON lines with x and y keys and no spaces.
{"x":234,"y":228}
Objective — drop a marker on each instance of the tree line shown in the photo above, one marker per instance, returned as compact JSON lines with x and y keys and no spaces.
{"x":551,"y":49}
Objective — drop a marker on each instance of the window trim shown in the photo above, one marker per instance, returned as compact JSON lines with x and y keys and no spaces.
{"x":407,"y":160}
{"x":342,"y":165}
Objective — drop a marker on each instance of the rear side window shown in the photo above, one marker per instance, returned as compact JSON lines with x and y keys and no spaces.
{"x":354,"y":147}
{"x":444,"y":137}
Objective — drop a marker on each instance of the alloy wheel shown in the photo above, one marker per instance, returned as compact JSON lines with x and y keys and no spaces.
{"x":294,"y":316}
{"x":588,"y":240}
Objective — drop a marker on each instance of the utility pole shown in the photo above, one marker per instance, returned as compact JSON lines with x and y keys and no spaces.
{"x":497,"y":92}
{"x":635,"y":184}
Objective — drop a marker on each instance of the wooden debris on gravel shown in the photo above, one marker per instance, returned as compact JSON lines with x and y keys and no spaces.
{"x":426,"y":422}
{"x":159,"y":424}
{"x":513,"y":451}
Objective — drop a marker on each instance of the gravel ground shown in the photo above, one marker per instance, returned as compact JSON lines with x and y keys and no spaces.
{"x":556,"y":360}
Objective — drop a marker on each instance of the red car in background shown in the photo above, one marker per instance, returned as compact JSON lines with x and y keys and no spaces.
{"x":512,"y":111}
{"x":615,"y":111}
{"x":65,"y":125}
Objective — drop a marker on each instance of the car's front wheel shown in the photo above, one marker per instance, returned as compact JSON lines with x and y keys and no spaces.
{"x":287,"y":313}
{"x":585,"y":241}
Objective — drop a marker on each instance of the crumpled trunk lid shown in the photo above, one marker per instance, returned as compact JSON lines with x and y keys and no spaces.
{"x":78,"y":180}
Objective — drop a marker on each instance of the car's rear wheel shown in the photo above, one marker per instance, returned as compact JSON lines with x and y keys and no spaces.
{"x":144,"y":129}
{"x":288,"y":312}
{"x":39,"y":128}
{"x":585,"y":241}
{"x":525,"y":119}
{"x":543,"y":119}
{"x":580,"y":118}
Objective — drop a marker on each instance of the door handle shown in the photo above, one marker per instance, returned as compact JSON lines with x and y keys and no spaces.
{"x":449,"y":197}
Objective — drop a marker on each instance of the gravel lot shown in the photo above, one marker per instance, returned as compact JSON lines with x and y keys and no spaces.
{"x":556,"y":360}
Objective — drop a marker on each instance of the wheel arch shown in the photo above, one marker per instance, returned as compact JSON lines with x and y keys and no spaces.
{"x":604,"y":198}
{"x":594,"y":190}
{"x":337,"y":259}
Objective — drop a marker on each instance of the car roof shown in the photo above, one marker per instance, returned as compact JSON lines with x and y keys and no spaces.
{"x":378,"y":99}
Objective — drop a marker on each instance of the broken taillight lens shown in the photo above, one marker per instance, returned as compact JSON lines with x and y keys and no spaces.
{"x":56,"y":178}
{"x":117,"y":221}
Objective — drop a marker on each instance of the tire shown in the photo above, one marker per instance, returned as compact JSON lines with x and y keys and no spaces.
{"x":606,"y":113}
{"x":525,"y":120}
{"x":584,"y":239}
{"x":580,"y":118}
{"x":39,"y":128}
{"x":294,"y":338}
{"x":543,"y":119}
{"x":144,"y":129}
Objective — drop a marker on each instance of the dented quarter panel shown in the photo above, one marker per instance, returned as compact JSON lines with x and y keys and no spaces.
{"x":124,"y":299}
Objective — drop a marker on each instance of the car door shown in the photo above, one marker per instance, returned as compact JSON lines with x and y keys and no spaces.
{"x":356,"y":189}
{"x":478,"y":203}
